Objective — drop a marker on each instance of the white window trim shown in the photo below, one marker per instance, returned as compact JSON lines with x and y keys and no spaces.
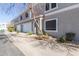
{"x":56,"y":25}
{"x":51,"y":9}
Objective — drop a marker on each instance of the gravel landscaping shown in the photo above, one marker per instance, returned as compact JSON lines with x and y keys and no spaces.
{"x":34,"y":47}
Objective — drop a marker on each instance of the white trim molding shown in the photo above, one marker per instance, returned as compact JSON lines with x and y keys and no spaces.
{"x":56,"y":25}
{"x":63,"y":9}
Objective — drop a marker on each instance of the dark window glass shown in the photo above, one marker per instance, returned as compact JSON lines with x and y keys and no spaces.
{"x":51,"y":25}
{"x":20,"y":17}
{"x":26,"y":15}
{"x":47,"y":6}
{"x":53,"y":5}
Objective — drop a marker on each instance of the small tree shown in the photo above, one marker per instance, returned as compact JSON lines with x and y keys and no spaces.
{"x":10,"y":27}
{"x":36,"y":10}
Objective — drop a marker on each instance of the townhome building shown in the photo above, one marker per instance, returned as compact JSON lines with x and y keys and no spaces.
{"x":23,"y":23}
{"x":54,"y":18}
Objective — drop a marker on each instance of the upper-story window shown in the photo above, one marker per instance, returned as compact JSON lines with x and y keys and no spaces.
{"x":50,"y":6}
{"x":26,"y":15}
{"x":53,"y":5}
{"x":20,"y":17}
{"x":47,"y":6}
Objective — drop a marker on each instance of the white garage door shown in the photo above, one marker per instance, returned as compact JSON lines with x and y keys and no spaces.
{"x":27,"y":27}
{"x":18,"y":28}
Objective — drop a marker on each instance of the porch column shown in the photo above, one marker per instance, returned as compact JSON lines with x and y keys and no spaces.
{"x":41,"y":18}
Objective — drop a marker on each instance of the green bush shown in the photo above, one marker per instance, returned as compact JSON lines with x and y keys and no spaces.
{"x":10,"y":29}
{"x":1,"y":30}
{"x":70,"y":36}
{"x":45,"y":33}
{"x":67,"y":37}
{"x":62,"y":39}
{"x":30,"y":33}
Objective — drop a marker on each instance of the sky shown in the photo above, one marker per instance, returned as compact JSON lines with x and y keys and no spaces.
{"x":9,"y":11}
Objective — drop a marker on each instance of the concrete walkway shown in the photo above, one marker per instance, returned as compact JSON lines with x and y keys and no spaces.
{"x":32,"y":47}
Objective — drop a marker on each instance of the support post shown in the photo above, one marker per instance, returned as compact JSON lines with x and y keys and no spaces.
{"x":41,"y":18}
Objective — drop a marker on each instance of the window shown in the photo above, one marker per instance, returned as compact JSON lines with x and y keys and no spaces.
{"x":51,"y":25}
{"x":47,"y":6}
{"x":53,"y":5}
{"x":50,"y":6}
{"x":26,"y":15}
{"x":20,"y":17}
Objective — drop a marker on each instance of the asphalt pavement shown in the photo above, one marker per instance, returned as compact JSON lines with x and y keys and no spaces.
{"x":7,"y":48}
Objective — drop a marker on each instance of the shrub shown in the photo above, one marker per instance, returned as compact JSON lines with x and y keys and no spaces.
{"x":10,"y":29}
{"x":45,"y":33}
{"x":67,"y":37}
{"x":30,"y":33}
{"x":61,"y":39}
{"x":70,"y":36}
{"x":1,"y":30}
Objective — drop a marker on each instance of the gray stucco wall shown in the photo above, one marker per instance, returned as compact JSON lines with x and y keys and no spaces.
{"x":39,"y":8}
{"x":59,"y":6}
{"x":68,"y":21}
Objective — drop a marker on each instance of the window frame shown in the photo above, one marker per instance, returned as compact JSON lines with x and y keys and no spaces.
{"x":56,"y":25}
{"x":51,"y":6}
{"x":50,"y":9}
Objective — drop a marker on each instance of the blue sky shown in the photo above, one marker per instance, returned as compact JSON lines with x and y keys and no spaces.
{"x":9,"y":11}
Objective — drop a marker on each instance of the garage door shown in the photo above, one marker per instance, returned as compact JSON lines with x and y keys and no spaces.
{"x":27,"y":27}
{"x":18,"y":28}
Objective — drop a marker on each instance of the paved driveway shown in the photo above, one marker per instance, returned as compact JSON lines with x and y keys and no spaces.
{"x":7,"y":48}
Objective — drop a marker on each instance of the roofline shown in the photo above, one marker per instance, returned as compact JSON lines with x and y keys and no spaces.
{"x":63,"y":9}
{"x":26,"y":10}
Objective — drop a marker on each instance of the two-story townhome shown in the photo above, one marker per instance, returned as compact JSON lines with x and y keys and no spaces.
{"x":54,"y":18}
{"x":23,"y":23}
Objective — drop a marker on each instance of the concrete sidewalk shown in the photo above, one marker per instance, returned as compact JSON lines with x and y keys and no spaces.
{"x":32,"y":47}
